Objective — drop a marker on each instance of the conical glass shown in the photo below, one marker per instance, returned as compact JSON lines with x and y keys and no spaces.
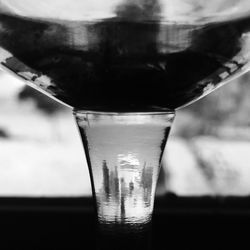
{"x":124,"y":67}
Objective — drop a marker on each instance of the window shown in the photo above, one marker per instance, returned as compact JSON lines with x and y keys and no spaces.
{"x":41,"y":153}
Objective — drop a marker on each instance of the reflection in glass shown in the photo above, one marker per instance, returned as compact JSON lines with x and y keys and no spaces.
{"x":124,"y":155}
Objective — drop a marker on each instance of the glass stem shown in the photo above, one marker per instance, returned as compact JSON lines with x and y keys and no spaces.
{"x":124,"y":152}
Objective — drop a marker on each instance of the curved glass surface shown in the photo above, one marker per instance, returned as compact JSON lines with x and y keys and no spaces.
{"x":165,"y":10}
{"x":130,"y":56}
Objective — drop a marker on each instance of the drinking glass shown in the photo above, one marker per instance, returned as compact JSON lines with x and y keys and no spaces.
{"x":124,"y":67}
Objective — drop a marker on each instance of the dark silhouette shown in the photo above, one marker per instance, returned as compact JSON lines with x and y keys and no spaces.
{"x":42,"y":102}
{"x":131,"y":188}
{"x":3,"y":134}
{"x":123,"y":196}
{"x":106,"y":183}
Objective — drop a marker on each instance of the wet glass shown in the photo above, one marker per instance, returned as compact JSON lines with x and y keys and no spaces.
{"x":124,"y":67}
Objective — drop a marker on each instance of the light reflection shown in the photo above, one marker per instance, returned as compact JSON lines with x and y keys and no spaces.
{"x":126,"y":196}
{"x":124,"y":163}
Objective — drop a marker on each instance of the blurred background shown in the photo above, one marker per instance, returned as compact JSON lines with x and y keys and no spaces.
{"x":41,"y":154}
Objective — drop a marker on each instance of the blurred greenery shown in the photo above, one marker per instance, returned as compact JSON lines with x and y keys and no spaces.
{"x":226,"y":109}
{"x":223,"y":113}
{"x":42,"y":102}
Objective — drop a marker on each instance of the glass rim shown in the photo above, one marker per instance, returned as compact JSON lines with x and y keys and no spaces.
{"x":161,"y":111}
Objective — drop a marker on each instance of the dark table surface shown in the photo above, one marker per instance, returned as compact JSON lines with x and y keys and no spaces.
{"x":182,"y":222}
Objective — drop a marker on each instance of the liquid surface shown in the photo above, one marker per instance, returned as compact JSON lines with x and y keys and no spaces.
{"x":118,"y":65}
